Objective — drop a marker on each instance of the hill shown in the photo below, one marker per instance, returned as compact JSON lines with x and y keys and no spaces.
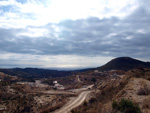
{"x":32,"y":73}
{"x":124,"y":63}
{"x":133,"y":87}
{"x":29,"y":74}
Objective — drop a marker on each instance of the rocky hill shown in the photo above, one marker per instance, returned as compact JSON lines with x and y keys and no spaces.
{"x":124,"y":63}
{"x":131,"y":91}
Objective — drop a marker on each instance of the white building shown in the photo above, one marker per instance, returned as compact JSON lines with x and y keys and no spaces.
{"x":57,"y":85}
{"x":55,"y":82}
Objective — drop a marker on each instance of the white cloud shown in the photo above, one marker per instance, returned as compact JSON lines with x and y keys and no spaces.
{"x":121,"y":8}
{"x":34,"y":32}
{"x":36,"y":13}
{"x":7,"y":2}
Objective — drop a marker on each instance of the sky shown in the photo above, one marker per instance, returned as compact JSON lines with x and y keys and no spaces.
{"x":72,"y":34}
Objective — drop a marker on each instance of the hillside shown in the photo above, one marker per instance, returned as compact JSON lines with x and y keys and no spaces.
{"x":109,"y":87}
{"x":133,"y":87}
{"x":33,"y":73}
{"x":29,"y":74}
{"x":124,"y":63}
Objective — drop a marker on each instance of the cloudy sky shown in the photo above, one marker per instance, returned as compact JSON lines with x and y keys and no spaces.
{"x":72,"y":33}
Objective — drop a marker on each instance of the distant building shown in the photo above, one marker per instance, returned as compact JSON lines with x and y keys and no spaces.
{"x":57,"y":85}
{"x":96,"y":71}
{"x":55,"y":82}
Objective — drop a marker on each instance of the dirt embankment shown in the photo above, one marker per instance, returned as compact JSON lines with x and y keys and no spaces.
{"x":134,"y":85}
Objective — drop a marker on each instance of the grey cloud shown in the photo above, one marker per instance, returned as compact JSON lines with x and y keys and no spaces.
{"x":89,"y":37}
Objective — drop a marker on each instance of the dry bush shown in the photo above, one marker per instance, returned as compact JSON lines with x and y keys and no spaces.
{"x":50,"y":108}
{"x":144,"y":91}
{"x":20,"y":104}
{"x":88,"y":107}
{"x":146,"y":103}
{"x":140,"y":73}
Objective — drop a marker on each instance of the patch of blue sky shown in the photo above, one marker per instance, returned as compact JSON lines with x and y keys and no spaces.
{"x":6,"y":8}
{"x":22,"y":1}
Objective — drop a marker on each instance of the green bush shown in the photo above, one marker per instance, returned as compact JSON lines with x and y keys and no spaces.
{"x":125,"y":106}
{"x":115,"y":105}
{"x":93,"y":79}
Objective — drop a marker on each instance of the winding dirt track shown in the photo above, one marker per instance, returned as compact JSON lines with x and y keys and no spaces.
{"x":53,"y":92}
{"x":73,"y":103}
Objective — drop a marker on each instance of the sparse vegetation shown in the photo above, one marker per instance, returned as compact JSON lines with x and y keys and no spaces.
{"x":51,"y":108}
{"x":146,"y":103}
{"x":134,"y":84}
{"x":145,"y":90}
{"x":125,"y":106}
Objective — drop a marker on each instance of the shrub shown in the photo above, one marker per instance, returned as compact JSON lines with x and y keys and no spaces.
{"x":144,"y":91}
{"x":125,"y":106}
{"x":115,"y":105}
{"x":85,"y":103}
{"x":92,"y":100}
{"x":93,"y":80}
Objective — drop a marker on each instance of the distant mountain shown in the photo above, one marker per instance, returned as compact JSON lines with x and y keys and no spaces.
{"x":124,"y":63}
{"x":32,"y":73}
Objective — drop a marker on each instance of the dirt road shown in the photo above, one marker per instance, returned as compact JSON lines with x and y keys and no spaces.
{"x":57,"y":92}
{"x":73,"y":103}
